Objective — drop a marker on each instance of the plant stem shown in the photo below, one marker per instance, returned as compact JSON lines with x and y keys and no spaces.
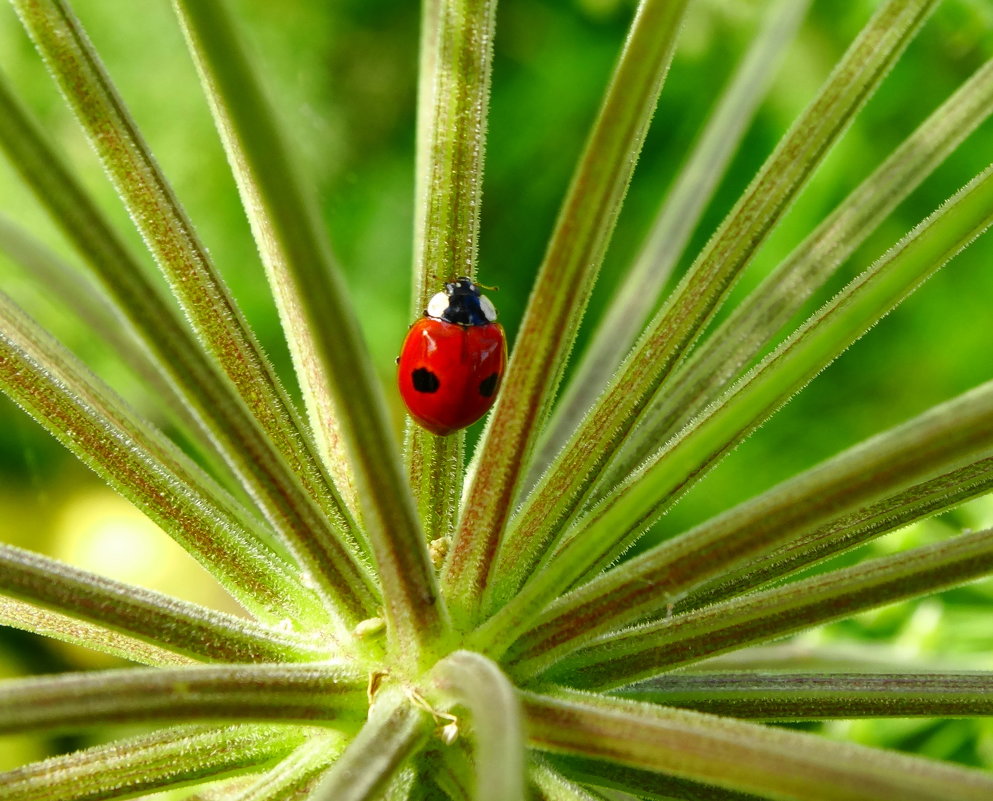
{"x":561,"y":291}
{"x":393,"y":732}
{"x":337,"y":367}
{"x":178,"y":626}
{"x":650,"y":584}
{"x":774,"y":763}
{"x":559,"y":498}
{"x":632,"y":303}
{"x":753,"y":325}
{"x":819,"y":696}
{"x":624,"y":657}
{"x":328,"y":694}
{"x":619,"y":519}
{"x":453,"y":93}
{"x":169,"y":758}
{"x":303,"y":524}
{"x":478,"y":684}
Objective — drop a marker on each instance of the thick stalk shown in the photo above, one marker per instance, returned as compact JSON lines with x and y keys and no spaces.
{"x":453,"y":96}
{"x":560,"y":294}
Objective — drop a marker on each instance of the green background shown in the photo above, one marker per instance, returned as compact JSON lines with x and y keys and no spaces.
{"x":343,"y":78}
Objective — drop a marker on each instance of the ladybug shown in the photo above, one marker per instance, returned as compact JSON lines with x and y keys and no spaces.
{"x":452,"y":360}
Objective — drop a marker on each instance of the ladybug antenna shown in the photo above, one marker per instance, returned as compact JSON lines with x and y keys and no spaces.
{"x":488,"y":288}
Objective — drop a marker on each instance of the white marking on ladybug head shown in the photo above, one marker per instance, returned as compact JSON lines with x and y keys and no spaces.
{"x":437,"y":305}
{"x":488,"y":309}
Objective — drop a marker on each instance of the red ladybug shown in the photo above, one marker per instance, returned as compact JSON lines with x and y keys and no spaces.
{"x":452,"y":360}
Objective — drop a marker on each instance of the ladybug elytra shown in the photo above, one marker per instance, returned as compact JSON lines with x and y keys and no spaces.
{"x":452,"y":360}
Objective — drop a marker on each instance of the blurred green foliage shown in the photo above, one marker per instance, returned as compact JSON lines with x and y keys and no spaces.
{"x":343,"y":77}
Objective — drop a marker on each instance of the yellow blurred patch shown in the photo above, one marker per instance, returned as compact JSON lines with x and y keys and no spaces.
{"x":98,"y":530}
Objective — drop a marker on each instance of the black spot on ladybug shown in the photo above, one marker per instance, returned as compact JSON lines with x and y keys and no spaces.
{"x":488,"y":385}
{"x":425,"y":380}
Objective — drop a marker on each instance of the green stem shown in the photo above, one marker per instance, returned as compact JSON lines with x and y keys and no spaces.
{"x":558,"y":498}
{"x":296,"y":774}
{"x":151,"y":762}
{"x":286,"y":227}
{"x":268,"y":450}
{"x":477,"y":683}
{"x":750,"y":327}
{"x":550,"y":785}
{"x":632,"y":303}
{"x":619,"y":519}
{"x":774,"y":763}
{"x":178,"y":626}
{"x":312,"y":293}
{"x":138,"y":461}
{"x":559,"y":297}
{"x":96,"y":637}
{"x":642,"y":783}
{"x":68,"y":286}
{"x":649,"y":584}
{"x":453,"y":88}
{"x":227,"y":420}
{"x":394,"y":730}
{"x":326,"y":694}
{"x":763,"y":616}
{"x":451,"y":771}
{"x":849,"y":531}
{"x":820,"y":696}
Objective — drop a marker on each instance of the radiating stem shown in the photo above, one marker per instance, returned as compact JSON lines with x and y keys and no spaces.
{"x":922,"y":500}
{"x":632,"y":303}
{"x":68,"y":286}
{"x":649,"y":584}
{"x":553,"y":786}
{"x":285,"y":224}
{"x":179,"y":626}
{"x":818,"y":696}
{"x":478,"y":684}
{"x":297,"y":773}
{"x":312,"y":292}
{"x":395,"y":728}
{"x":625,"y":657}
{"x":559,"y":297}
{"x":169,"y":758}
{"x":329,"y":694}
{"x":559,"y":497}
{"x":611,"y":527}
{"x":95,"y":637}
{"x":224,"y":416}
{"x":137,"y":460}
{"x":774,"y":763}
{"x":754,"y":323}
{"x":271,"y":455}
{"x":453,"y":97}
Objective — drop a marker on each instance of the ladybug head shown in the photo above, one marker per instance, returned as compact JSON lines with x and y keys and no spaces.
{"x":462,"y":304}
